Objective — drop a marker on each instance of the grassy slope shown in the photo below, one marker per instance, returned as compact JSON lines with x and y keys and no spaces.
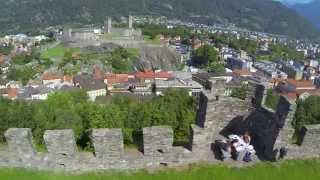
{"x":290,"y":170}
{"x":155,"y":41}
{"x":57,"y":52}
{"x":112,"y":35}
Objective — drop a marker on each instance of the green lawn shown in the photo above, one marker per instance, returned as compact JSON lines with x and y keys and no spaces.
{"x":290,"y":170}
{"x":133,"y":51}
{"x":155,"y":41}
{"x":57,"y":51}
{"x":272,"y":100}
{"x":112,"y":35}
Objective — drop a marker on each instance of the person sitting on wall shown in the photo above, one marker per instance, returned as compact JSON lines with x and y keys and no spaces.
{"x":224,"y":149}
{"x":241,"y":148}
{"x":248,"y":149}
{"x":237,"y":147}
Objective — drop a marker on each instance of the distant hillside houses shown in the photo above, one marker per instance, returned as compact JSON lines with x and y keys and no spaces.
{"x":99,"y":84}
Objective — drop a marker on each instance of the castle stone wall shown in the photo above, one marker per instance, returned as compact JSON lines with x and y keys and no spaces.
{"x":108,"y":143}
{"x":157,"y":140}
{"x":60,"y":142}
{"x":20,"y":142}
{"x":311,"y":138}
{"x":217,"y":117}
{"x":109,"y":153}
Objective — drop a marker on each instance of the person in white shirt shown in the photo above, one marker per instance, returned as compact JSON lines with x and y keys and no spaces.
{"x":242,"y":147}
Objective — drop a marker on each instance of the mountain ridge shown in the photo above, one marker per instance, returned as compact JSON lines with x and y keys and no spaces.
{"x":310,"y":11}
{"x":259,"y":15}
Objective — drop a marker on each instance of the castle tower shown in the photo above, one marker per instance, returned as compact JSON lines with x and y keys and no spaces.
{"x":108,"y":25}
{"x":67,"y":34}
{"x":70,"y":33}
{"x":130,"y":22}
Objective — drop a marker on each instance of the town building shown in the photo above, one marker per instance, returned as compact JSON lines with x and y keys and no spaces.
{"x":269,"y":69}
{"x":93,"y":87}
{"x":293,"y":69}
{"x":317,"y":82}
{"x":239,"y":64}
{"x":205,"y":79}
{"x":54,"y":78}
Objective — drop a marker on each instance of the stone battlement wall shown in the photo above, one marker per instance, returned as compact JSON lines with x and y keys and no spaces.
{"x":217,"y":117}
{"x":109,"y":151}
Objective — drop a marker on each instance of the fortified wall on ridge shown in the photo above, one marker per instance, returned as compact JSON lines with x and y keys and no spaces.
{"x":217,"y":117}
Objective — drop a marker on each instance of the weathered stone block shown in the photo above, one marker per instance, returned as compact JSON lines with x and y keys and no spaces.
{"x":312,"y":137}
{"x":60,"y":142}
{"x":157,"y":140}
{"x":201,"y":140}
{"x":20,"y":141}
{"x":108,"y":143}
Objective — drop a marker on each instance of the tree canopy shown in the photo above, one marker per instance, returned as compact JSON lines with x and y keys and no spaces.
{"x":71,"y":110}
{"x":208,"y":57}
{"x":307,"y":112}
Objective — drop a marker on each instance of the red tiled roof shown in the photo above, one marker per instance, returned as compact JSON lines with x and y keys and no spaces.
{"x":294,"y":95}
{"x":164,"y":74}
{"x":51,"y":76}
{"x":12,"y":92}
{"x":2,"y":58}
{"x":240,"y":72}
{"x":67,"y":78}
{"x":290,"y":95}
{"x":98,"y":73}
{"x":116,"y":78}
{"x":152,"y":75}
{"x":301,"y":84}
{"x":315,"y":92}
{"x":146,"y":75}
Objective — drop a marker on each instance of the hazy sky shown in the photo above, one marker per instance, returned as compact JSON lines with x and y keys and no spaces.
{"x":295,"y":1}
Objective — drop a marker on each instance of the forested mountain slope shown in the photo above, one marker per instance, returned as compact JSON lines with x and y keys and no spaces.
{"x":261,"y":15}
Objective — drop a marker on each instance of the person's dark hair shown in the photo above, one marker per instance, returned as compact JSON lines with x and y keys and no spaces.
{"x":234,"y":141}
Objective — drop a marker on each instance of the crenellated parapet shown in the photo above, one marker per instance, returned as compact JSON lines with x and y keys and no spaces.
{"x":217,"y":117}
{"x":60,"y":142}
{"x":109,"y":152}
{"x":20,"y":141}
{"x":157,"y":140}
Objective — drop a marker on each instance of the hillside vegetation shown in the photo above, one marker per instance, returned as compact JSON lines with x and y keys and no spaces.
{"x":261,"y":15}
{"x":309,"y":10}
{"x":71,"y":110}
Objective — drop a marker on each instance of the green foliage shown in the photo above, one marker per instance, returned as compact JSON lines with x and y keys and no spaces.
{"x":281,"y":51}
{"x":55,"y":52}
{"x":22,"y":74}
{"x":152,"y":40}
{"x":208,"y":57}
{"x":286,"y":170}
{"x":250,"y":46}
{"x":21,"y":59}
{"x":241,"y":92}
{"x":152,"y":31}
{"x":72,"y":111}
{"x":22,"y":71}
{"x":260,"y":15}
{"x":25,"y":58}
{"x":285,"y":52}
{"x":307,"y":112}
{"x":6,"y":50}
{"x":272,"y":100}
{"x":119,"y":60}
